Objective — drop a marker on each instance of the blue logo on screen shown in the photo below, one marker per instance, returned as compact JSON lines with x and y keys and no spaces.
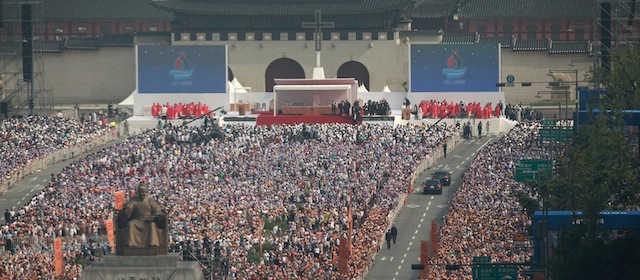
{"x":183,"y":70}
{"x":455,"y":67}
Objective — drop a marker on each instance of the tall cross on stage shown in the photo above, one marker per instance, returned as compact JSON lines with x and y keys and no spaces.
{"x":318,"y":24}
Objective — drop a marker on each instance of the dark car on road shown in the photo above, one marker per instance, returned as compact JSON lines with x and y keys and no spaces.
{"x":432,"y":186}
{"x":443,"y":176}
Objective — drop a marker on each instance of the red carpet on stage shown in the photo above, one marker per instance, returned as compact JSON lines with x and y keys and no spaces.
{"x":270,"y":119}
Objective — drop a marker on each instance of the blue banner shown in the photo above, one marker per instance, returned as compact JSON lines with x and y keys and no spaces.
{"x":455,"y":68}
{"x":182,"y":69}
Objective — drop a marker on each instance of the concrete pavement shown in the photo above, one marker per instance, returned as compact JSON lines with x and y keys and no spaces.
{"x":32,"y":184}
{"x":414,"y":220}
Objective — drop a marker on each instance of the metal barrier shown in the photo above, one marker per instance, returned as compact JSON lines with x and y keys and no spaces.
{"x":452,"y":142}
{"x":55,"y":157}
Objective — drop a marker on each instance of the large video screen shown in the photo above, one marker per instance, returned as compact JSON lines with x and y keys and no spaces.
{"x":455,"y":68}
{"x":182,"y":69}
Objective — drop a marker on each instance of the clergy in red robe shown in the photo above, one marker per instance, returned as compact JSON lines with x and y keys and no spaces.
{"x":170,"y":112}
{"x":486,"y":113}
{"x":154,"y":110}
{"x":478,"y":111}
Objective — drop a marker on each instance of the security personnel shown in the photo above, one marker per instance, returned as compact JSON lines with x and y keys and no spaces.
{"x":394,"y":233}
{"x":388,"y":237}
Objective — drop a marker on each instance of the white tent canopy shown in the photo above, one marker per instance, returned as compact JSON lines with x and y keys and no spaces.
{"x":126,"y":105}
{"x":238,"y":88}
{"x":229,"y":86}
{"x":234,"y":89}
{"x":386,"y":89}
{"x":362,"y":88}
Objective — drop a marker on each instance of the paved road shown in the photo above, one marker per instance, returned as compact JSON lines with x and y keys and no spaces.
{"x":32,"y":184}
{"x":414,"y":219}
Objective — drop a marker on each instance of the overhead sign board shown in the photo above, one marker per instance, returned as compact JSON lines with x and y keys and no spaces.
{"x":494,"y":272}
{"x":533,"y":170}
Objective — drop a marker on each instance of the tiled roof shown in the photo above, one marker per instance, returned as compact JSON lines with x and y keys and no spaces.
{"x":406,"y":33}
{"x":528,"y":9}
{"x":570,"y":47}
{"x":160,"y":10}
{"x":505,"y":42}
{"x":82,"y":43}
{"x":103,"y":10}
{"x":48,"y":46}
{"x":117,"y":41}
{"x":530,"y":45}
{"x":276,"y":8}
{"x":432,"y":8}
{"x":466,"y":38}
{"x":10,"y":49}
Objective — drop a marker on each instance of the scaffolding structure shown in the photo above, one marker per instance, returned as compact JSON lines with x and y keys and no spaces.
{"x":616,"y":26}
{"x":23,"y":89}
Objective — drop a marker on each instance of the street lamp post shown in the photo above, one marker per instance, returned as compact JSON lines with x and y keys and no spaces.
{"x":569,"y":71}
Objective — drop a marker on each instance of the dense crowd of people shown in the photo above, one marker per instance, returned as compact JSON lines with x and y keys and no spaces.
{"x":485,"y":216}
{"x":298,"y":179}
{"x":24,"y":140}
{"x":227,"y":188}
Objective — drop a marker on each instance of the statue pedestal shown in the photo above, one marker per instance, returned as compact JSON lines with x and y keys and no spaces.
{"x":163,"y":267}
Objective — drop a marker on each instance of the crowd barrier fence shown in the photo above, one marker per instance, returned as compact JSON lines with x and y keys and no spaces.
{"x":61,"y":155}
{"x":425,"y":164}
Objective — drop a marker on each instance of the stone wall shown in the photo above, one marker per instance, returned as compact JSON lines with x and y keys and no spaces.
{"x":108,"y":74}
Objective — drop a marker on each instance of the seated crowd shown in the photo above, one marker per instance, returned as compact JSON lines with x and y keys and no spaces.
{"x":24,"y":140}
{"x":179,"y":110}
{"x":485,"y":215}
{"x":298,"y":179}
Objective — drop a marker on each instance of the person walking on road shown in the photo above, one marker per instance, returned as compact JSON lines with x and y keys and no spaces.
{"x":394,"y":229}
{"x":444,"y":148}
{"x":488,"y":125}
{"x":387,"y":236}
{"x":7,"y":217}
{"x":479,"y":130}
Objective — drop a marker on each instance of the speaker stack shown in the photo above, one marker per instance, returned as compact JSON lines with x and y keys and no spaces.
{"x":605,"y":34}
{"x":27,"y":43}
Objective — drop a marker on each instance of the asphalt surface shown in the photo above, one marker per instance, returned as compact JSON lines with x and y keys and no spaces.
{"x":31,"y":185}
{"x":414,"y":219}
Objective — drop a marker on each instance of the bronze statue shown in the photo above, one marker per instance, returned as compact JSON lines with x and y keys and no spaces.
{"x":142,"y":223}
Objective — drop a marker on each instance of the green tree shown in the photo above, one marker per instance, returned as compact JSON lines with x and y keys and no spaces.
{"x":600,"y":259}
{"x":599,"y":171}
{"x":623,"y":80}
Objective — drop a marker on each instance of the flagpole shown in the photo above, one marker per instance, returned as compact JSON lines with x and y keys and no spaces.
{"x":260,"y":235}
{"x":350,"y":223}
